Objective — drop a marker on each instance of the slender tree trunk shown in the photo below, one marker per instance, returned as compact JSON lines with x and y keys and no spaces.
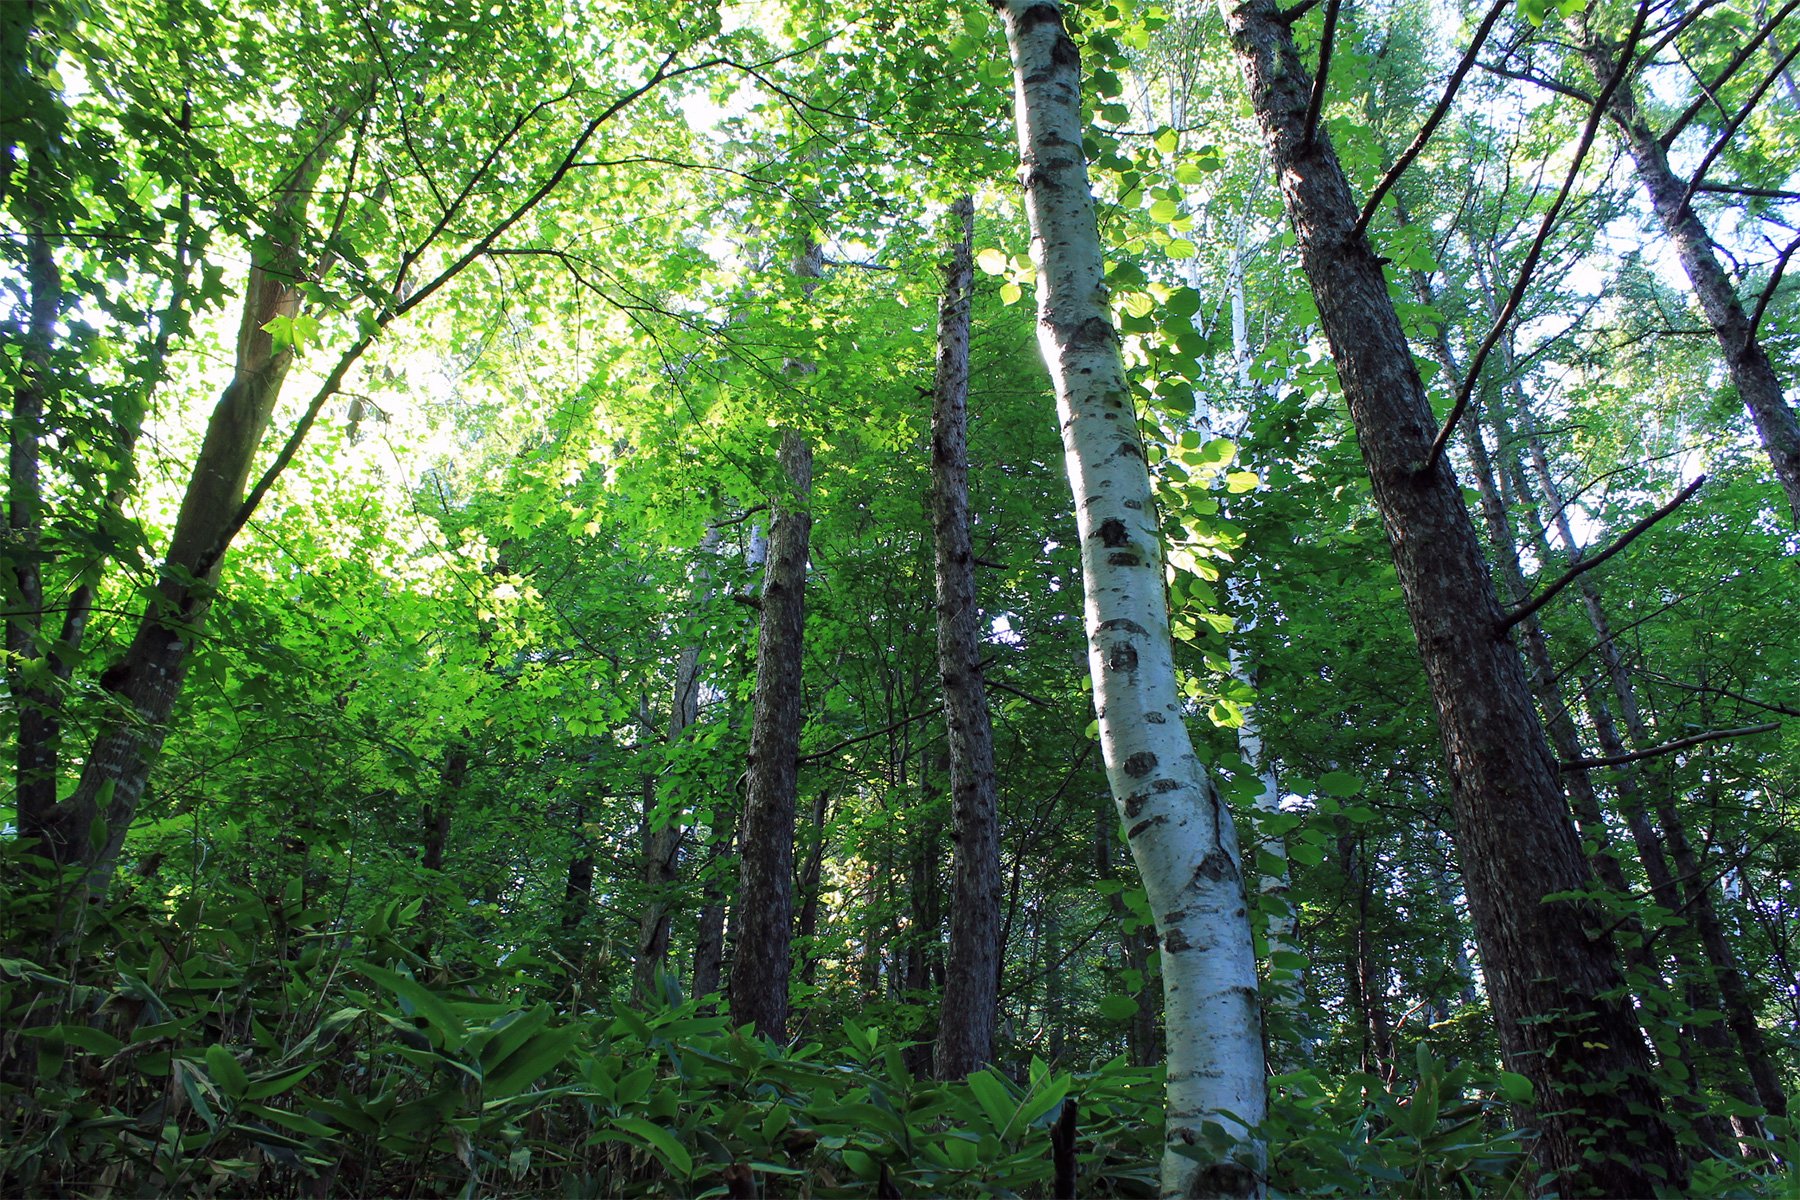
{"x":662,"y":844}
{"x":1556,"y":990}
{"x":578,"y":883}
{"x":971,"y":988}
{"x":147,"y":681}
{"x":1179,"y":829}
{"x":765,"y":904}
{"x":812,"y":890}
{"x":709,"y":932}
{"x":37,"y":701}
{"x":1759,"y":387}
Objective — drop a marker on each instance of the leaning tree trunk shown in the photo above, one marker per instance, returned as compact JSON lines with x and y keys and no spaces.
{"x":1745,"y":357}
{"x":1178,"y":827}
{"x":971,"y":985}
{"x":1552,"y":975}
{"x":146,"y":682}
{"x":758,"y":988}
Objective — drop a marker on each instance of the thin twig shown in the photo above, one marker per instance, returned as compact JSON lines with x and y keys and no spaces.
{"x":1749,"y":48}
{"x":1716,"y":735}
{"x":1768,"y":292}
{"x":1730,"y":130}
{"x":1431,"y":123}
{"x":1587,"y":564}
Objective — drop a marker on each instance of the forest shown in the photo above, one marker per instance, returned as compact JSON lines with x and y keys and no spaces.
{"x":1033,"y":598}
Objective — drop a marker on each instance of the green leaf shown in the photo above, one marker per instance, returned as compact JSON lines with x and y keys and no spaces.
{"x":1118,"y":1008}
{"x":529,"y":1062}
{"x":423,"y":1001}
{"x":1306,"y":854}
{"x":1517,"y":1088}
{"x":225,"y":1070}
{"x":673,"y":1152}
{"x":992,"y":261}
{"x":993,"y":1097}
{"x":1340,"y":783}
{"x":265,"y":1086}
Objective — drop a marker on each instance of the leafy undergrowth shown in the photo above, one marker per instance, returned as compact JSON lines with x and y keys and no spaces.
{"x":248,"y":1047}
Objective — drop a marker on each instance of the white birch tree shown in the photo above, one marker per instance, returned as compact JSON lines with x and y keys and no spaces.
{"x":1179,"y":829}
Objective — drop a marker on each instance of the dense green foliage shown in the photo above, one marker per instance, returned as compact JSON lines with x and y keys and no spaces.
{"x":374,"y":927}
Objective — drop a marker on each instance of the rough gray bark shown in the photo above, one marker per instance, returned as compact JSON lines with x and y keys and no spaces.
{"x":1556,"y":989}
{"x":764,"y":916}
{"x":972,"y":976}
{"x":1746,"y":359}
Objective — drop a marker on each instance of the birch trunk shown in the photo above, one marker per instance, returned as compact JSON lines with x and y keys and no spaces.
{"x":1746,"y":359}
{"x":1178,"y":827}
{"x":971,"y":986}
{"x":1557,"y":992}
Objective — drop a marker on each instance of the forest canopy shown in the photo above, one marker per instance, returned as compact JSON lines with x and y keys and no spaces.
{"x":1098,"y":598}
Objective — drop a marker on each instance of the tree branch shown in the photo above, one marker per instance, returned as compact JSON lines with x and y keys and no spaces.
{"x":1587,"y":564}
{"x":1716,"y":735}
{"x":1750,"y":47}
{"x":1472,"y":376}
{"x":828,"y":751}
{"x":1431,"y":123}
{"x":1316,"y":101}
{"x":1768,"y":292}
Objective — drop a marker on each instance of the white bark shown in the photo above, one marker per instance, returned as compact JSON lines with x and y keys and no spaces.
{"x":1179,"y":829}
{"x":1280,"y":932}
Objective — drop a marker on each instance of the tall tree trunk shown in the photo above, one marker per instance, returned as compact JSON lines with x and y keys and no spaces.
{"x":972,"y":976}
{"x":765,"y":902}
{"x":1141,"y":1041}
{"x":662,"y":843}
{"x":709,"y":932}
{"x":37,"y":700}
{"x":1745,"y":358}
{"x":1179,"y":829}
{"x":1557,"y":991}
{"x":812,"y":890}
{"x":147,"y":681}
{"x":578,"y":883}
